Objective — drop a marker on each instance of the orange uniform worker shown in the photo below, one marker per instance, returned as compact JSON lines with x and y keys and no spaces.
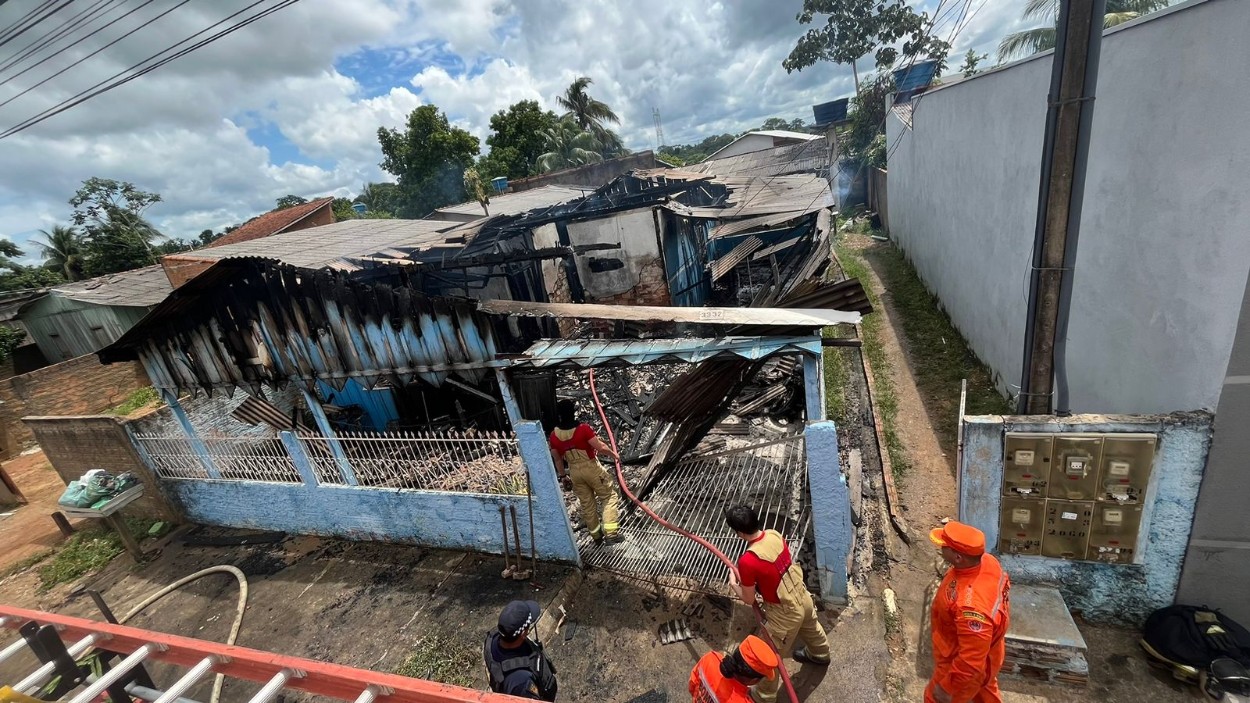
{"x":728,"y":677}
{"x":969,"y":619}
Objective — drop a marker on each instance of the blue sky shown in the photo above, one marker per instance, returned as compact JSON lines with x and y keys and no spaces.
{"x":292,"y":103}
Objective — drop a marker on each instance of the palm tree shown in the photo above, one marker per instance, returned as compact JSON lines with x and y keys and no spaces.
{"x":1031,"y":41}
{"x":568,"y":146}
{"x":589,"y":114}
{"x":63,"y":251}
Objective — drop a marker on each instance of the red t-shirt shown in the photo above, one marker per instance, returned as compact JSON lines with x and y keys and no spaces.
{"x":763,"y":575}
{"x":580,"y":440}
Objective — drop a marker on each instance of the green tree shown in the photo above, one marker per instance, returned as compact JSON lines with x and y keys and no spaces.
{"x":694,"y":153}
{"x":207,"y":237}
{"x":429,"y":158}
{"x":477,"y":189}
{"x":971,"y":60}
{"x":379,"y":197}
{"x":10,"y":340}
{"x":342,"y":208}
{"x":864,"y":139}
{"x":568,"y":146}
{"x":287,"y":201}
{"x":171,"y":246}
{"x":591,"y":115}
{"x":62,"y":251}
{"x":20,"y":277}
{"x":854,"y":28}
{"x":516,"y":140}
{"x":778,"y":123}
{"x":116,"y":236}
{"x":1032,"y":41}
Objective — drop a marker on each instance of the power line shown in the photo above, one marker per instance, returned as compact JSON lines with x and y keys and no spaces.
{"x":93,"y":92}
{"x":63,"y":70}
{"x":35,"y":46}
{"x":32,"y":24}
{"x":7,"y":31}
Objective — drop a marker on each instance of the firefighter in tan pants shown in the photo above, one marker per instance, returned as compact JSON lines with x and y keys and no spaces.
{"x":789,"y":612}
{"x":574,"y":447}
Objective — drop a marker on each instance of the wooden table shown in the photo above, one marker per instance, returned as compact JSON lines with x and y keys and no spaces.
{"x":109,"y":514}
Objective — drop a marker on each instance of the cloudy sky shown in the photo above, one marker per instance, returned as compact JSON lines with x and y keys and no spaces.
{"x":292,"y":103}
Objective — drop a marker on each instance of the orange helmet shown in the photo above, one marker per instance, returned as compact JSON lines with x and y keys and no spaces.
{"x":962,"y":538}
{"x":759,"y":656}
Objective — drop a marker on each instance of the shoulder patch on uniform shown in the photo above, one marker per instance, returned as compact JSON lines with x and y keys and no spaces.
{"x":975,"y":625}
{"x":974,"y":616}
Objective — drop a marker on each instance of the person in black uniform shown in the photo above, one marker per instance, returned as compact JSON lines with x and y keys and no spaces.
{"x":516,"y":664}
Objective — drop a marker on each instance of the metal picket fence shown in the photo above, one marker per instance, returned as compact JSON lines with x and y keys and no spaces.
{"x":237,"y":458}
{"x":461,"y":461}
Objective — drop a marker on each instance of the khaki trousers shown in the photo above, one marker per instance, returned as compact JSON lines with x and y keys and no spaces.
{"x":788,"y":624}
{"x":592,"y":485}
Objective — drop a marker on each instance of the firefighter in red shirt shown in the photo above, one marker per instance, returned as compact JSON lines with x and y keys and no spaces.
{"x":574,"y":446}
{"x":790,"y":614}
{"x":969,"y":619}
{"x":728,"y":677}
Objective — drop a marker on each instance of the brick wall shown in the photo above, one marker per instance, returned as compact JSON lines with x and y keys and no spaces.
{"x":74,"y":445}
{"x":652,"y":288}
{"x":80,"y":386}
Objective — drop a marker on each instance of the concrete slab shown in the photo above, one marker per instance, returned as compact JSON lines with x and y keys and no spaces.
{"x":1043,"y":642}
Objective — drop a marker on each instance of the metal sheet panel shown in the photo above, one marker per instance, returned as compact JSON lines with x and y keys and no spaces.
{"x":770,"y":317}
{"x":591,"y":353}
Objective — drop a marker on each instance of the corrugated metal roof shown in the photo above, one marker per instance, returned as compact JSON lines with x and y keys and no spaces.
{"x":594,"y":353}
{"x":779,"y":317}
{"x":737,"y":255}
{"x":807,"y":157}
{"x":143,"y":288}
{"x":787,"y":134}
{"x":318,"y":247}
{"x":517,"y":203}
{"x":750,"y":197}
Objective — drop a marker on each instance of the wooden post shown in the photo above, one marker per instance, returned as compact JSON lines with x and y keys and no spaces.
{"x":63,"y":524}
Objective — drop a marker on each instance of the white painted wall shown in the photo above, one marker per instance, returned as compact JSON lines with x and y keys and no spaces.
{"x":1165,"y":236}
{"x":634,"y":230}
{"x":745,"y":145}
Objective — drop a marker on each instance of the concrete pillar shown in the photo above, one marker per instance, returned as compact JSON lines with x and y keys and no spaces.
{"x":193,"y":437}
{"x":323,"y":425}
{"x":547,"y":496}
{"x":299,"y":457}
{"x":814,"y":386}
{"x":831,"y":511}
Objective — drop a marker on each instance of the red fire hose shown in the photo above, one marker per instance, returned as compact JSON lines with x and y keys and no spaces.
{"x":620,"y":477}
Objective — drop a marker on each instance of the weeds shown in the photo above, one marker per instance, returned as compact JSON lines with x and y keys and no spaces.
{"x":442,"y":659}
{"x":85,"y":552}
{"x":874,"y":350}
{"x":26,"y":563}
{"x":134,"y":401}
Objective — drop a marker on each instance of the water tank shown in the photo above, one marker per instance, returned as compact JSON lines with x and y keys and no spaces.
{"x":913,"y":79}
{"x":830,"y":112}
{"x":500,"y":184}
{"x":360,"y":208}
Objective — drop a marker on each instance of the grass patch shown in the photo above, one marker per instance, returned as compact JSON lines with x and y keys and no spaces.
{"x":442,"y":659}
{"x":27,"y":563}
{"x":85,"y":552}
{"x":884,"y":395}
{"x":134,"y":401}
{"x":940,"y":357}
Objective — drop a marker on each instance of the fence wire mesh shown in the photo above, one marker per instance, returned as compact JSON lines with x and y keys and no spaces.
{"x":768,"y":476}
{"x":472,"y":462}
{"x":467,"y":462}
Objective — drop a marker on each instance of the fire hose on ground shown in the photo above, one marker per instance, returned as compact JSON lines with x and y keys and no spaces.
{"x":733,"y":568}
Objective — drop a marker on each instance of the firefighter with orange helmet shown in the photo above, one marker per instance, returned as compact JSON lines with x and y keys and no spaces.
{"x":728,"y":677}
{"x":969,"y":619}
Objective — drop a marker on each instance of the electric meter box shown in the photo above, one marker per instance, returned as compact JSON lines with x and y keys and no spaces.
{"x":1026,"y":464}
{"x":1124,"y":472}
{"x":1113,"y":533}
{"x":1067,"y":527}
{"x":1074,"y":468}
{"x":1020,"y":526}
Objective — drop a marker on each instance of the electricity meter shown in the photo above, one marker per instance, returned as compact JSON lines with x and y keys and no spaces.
{"x":1026,"y":464}
{"x":1074,"y":474}
{"x":1020,"y":525}
{"x":1066,"y":531}
{"x":1127,"y":461}
{"x":1113,"y":534}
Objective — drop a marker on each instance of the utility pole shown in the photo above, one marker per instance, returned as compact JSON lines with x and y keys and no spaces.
{"x":1074,"y":76}
{"x":659,"y":129}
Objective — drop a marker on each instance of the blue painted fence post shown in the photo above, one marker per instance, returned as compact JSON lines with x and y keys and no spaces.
{"x":548,"y":497}
{"x":323,"y":424}
{"x":299,"y":457}
{"x":831,"y":511}
{"x":814,"y":386}
{"x":197,"y":445}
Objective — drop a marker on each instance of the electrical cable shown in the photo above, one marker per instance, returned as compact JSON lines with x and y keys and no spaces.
{"x":92,"y":92}
{"x":61,"y":30}
{"x":10,"y":36}
{"x":239,"y":576}
{"x":733,"y":568}
{"x":4,"y":33}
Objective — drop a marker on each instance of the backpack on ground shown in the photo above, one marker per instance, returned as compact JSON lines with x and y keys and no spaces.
{"x":1200,"y":646}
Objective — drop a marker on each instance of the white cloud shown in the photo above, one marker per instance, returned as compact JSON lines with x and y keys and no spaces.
{"x":470,"y":100}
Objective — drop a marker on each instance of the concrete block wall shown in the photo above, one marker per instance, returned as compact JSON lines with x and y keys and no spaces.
{"x":75,"y":445}
{"x":1119,"y":593}
{"x":80,"y":386}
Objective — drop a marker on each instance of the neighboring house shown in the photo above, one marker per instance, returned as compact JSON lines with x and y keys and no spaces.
{"x":181,"y":267}
{"x":27,"y":356}
{"x":1160,"y":316}
{"x":82,"y":317}
{"x":759,"y":141}
{"x":511,"y":203}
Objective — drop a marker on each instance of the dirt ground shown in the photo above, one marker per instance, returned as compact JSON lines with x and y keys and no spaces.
{"x":28,"y":529}
{"x":1118,"y":671}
